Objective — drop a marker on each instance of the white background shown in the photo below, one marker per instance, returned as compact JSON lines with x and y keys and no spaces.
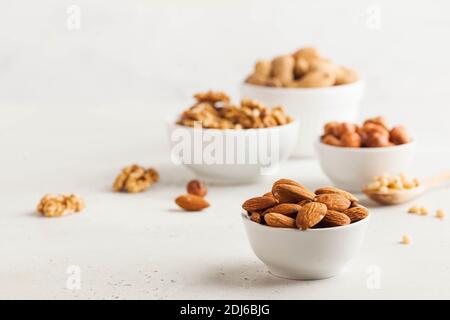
{"x":77,"y":105}
{"x":138,"y":52}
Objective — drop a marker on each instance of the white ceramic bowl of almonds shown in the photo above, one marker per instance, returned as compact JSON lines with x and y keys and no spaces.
{"x":243,"y":161}
{"x":305,"y":255}
{"x":313,"y":107}
{"x":353,"y":168}
{"x":307,"y":240}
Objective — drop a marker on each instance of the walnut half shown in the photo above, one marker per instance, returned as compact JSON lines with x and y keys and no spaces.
{"x":57,"y":205}
{"x":135,"y":178}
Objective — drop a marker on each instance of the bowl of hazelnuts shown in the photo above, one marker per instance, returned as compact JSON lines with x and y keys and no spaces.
{"x":311,"y":87}
{"x":351,"y":154}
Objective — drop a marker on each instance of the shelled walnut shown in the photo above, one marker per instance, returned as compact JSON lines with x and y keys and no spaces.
{"x":57,"y":205}
{"x":135,"y":178}
{"x":214,"y":110}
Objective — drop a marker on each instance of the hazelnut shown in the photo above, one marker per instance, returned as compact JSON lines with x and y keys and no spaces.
{"x":371,"y":127}
{"x":197,"y":188}
{"x":376,"y":140}
{"x":331,"y":140}
{"x":347,"y":127}
{"x":399,"y":135}
{"x":334,"y":128}
{"x":378,"y":120}
{"x":351,"y":139}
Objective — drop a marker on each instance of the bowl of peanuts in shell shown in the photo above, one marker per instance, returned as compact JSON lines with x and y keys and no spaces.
{"x":313,"y":89}
{"x":231,"y":143}
{"x":351,"y":155}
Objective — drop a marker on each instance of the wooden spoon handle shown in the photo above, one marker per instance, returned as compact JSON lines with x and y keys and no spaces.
{"x":436,"y":180}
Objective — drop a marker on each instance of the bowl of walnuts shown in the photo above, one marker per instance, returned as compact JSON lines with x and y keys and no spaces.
{"x":227,"y":143}
{"x":313,"y":89}
{"x":351,"y":155}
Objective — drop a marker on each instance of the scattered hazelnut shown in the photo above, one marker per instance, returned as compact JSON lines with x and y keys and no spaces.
{"x":197,"y":188}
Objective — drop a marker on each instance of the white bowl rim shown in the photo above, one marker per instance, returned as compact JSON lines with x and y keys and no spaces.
{"x":171,"y":122}
{"x":321,"y":90}
{"x":365,"y":150}
{"x":351,"y":225}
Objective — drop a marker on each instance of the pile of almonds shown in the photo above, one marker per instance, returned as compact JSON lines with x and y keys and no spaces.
{"x":305,"y":68}
{"x":291,"y":205}
{"x":194,"y":199}
{"x":215,"y":111}
{"x":374,"y":133}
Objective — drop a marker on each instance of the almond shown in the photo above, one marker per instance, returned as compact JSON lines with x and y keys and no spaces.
{"x":356,"y":213}
{"x":287,"y":181}
{"x":255,"y":217}
{"x":279,"y":220}
{"x":286,"y":193}
{"x":190,"y":202}
{"x":288,"y":209}
{"x":333,"y":201}
{"x":335,"y":219}
{"x":303,"y":202}
{"x":259,"y":203}
{"x":310,"y":214}
{"x":270,"y":195}
{"x":345,"y":194}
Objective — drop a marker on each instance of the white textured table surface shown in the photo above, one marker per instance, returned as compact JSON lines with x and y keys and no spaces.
{"x":139,"y":246}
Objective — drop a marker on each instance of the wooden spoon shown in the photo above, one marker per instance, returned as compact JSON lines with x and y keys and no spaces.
{"x":405,"y":195}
